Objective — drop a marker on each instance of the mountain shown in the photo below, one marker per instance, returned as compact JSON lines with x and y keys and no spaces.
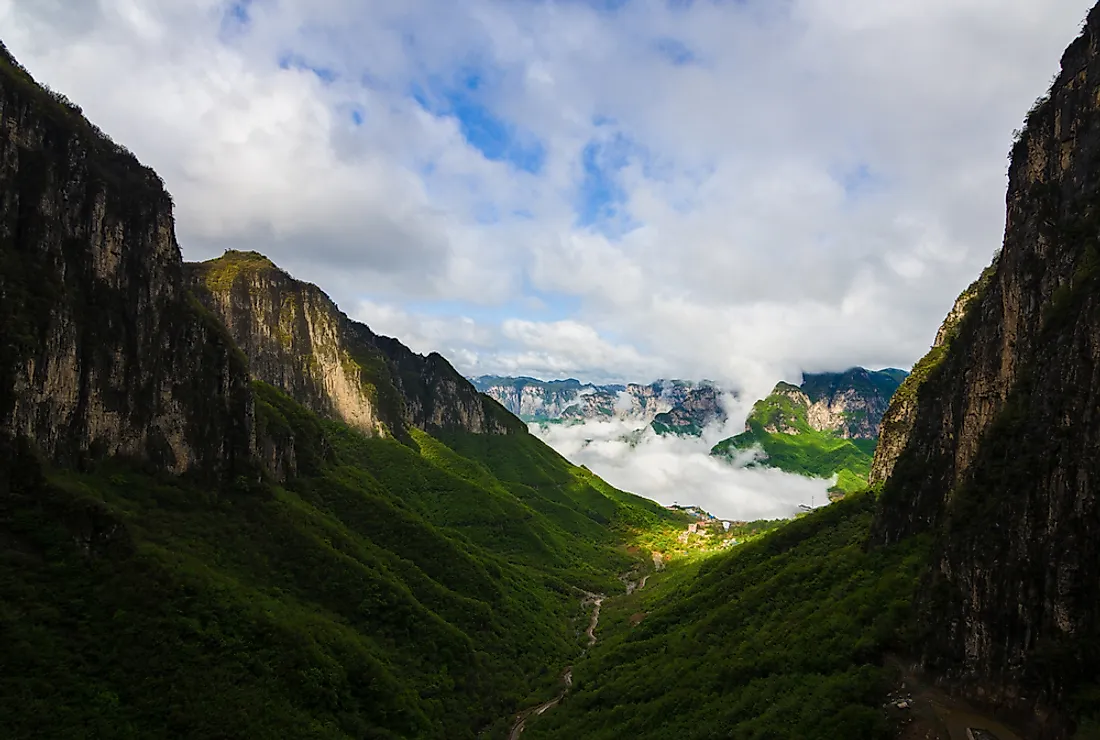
{"x":296,"y":339}
{"x":992,"y":448}
{"x":103,"y":353}
{"x":670,"y":406}
{"x":827,"y":426}
{"x":227,"y":510}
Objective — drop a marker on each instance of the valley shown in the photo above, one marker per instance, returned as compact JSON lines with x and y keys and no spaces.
{"x":229,"y":509}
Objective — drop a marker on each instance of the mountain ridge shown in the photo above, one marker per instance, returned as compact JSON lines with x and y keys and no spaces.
{"x":674,"y":406}
{"x":993,"y":450}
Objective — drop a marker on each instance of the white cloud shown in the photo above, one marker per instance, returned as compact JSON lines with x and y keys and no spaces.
{"x":674,"y":470}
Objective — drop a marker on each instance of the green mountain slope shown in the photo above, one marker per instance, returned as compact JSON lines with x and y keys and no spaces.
{"x":383,"y":593}
{"x":782,"y":638}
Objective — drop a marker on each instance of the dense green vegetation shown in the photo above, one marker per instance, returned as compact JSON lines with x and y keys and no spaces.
{"x":781,"y":638}
{"x":384,"y":592}
{"x":803,"y":449}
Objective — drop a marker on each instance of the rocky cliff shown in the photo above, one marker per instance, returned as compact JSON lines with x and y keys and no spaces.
{"x":825,"y":428}
{"x":297,"y":340}
{"x":996,"y":453}
{"x":532,"y":399}
{"x":103,"y":351}
{"x":897,"y":422}
{"x":851,"y":403}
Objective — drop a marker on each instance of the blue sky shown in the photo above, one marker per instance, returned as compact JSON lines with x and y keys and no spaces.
{"x":600,"y":189}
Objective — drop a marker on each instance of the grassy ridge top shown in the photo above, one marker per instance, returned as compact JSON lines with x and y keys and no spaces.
{"x":804,"y":450}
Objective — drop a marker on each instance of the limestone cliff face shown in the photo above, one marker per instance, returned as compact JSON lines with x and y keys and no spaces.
{"x":999,"y":458}
{"x":850,"y":403}
{"x":898,"y":420}
{"x":297,"y":340}
{"x":700,"y":405}
{"x":103,"y":351}
{"x":532,"y":399}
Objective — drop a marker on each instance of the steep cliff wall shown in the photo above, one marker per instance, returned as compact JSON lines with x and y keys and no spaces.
{"x":850,"y":403}
{"x":103,"y":351}
{"x":297,"y":340}
{"x":998,"y":450}
{"x":898,"y":420}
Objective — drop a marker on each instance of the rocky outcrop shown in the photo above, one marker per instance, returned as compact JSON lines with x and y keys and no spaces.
{"x":851,"y":403}
{"x":103,"y":351}
{"x":999,"y":460}
{"x":298,"y":341}
{"x":532,"y":399}
{"x":700,"y":406}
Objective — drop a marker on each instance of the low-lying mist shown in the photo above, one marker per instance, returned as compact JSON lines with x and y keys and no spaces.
{"x":680,"y":470}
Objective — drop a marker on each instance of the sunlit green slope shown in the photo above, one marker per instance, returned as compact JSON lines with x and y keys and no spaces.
{"x":781,"y":638}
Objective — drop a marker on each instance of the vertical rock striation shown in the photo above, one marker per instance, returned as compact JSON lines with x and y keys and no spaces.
{"x":994,"y":445}
{"x":297,"y":340}
{"x":103,"y":351}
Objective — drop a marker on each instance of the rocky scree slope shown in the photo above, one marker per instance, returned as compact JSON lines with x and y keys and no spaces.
{"x":994,"y":446}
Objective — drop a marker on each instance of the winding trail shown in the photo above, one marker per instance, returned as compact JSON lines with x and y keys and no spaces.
{"x":597,"y":600}
{"x":567,"y":677}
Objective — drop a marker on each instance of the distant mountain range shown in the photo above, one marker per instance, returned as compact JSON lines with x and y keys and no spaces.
{"x":681,"y":407}
{"x":827,"y":426}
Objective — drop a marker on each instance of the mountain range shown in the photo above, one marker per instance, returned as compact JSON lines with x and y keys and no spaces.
{"x":681,"y":407}
{"x":227,"y":510}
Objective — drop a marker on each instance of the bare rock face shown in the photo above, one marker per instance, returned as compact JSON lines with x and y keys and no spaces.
{"x":995,"y":450}
{"x":297,"y":340}
{"x":897,"y":423}
{"x":103,"y":351}
{"x":850,"y":403}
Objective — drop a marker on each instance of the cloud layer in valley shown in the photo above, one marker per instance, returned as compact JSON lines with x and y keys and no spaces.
{"x":680,"y":470}
{"x":627,"y":189}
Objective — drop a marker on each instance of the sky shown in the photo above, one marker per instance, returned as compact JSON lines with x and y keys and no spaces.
{"x":601,"y":189}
